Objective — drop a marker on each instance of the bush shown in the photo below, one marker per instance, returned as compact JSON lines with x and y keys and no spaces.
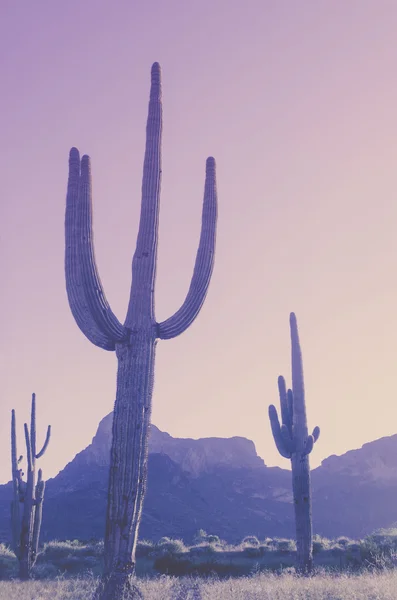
{"x":45,"y":571}
{"x":144,"y":548}
{"x":285,"y":546}
{"x":343,"y":541}
{"x":213,"y":539}
{"x":250,"y":540}
{"x":200,"y":536}
{"x":167,"y":547}
{"x":70,"y":557}
{"x":252,"y":551}
{"x":9,"y":565}
{"x":320,"y":543}
{"x":337,"y":550}
{"x":201,"y":549}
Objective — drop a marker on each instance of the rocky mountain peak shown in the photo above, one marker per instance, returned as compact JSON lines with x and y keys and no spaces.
{"x":194,"y":456}
{"x":374,"y":461}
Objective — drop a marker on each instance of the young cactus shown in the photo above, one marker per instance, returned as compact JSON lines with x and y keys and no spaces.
{"x":135,"y":340}
{"x":294,"y":442}
{"x":26,"y":531}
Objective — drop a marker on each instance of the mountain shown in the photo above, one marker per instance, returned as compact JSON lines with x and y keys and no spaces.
{"x":222,"y":486}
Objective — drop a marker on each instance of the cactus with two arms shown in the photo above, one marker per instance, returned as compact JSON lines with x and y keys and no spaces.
{"x":134,"y":341}
{"x":294,"y":442}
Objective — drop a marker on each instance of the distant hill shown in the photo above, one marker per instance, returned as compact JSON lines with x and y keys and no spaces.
{"x":222,"y":486}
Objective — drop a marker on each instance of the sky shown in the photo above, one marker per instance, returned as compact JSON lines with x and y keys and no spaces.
{"x":297,"y":103}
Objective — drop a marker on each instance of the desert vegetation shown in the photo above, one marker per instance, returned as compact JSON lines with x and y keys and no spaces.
{"x":344,"y":569}
{"x":210,"y":556}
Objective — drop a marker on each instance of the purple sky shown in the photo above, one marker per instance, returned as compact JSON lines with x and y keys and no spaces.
{"x":297,"y":102}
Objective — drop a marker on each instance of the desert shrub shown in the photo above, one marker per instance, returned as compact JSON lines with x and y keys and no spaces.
{"x":354,"y":554}
{"x":336,"y":550}
{"x":285,"y":546}
{"x":45,"y":571}
{"x":378,"y":551}
{"x":213,"y":539}
{"x":252,"y":551}
{"x":200,"y":536}
{"x":320,"y":543}
{"x":144,"y":548}
{"x":201,"y":549}
{"x":165,"y":546}
{"x":385,"y":541}
{"x":343,"y":541}
{"x":70,"y":557}
{"x":250,"y":540}
{"x":8,"y":563}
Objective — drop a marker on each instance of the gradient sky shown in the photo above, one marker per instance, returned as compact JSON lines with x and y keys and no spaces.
{"x":297,"y":101}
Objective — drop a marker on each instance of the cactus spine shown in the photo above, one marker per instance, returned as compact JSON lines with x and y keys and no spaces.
{"x":293,"y":442}
{"x":26,"y":531}
{"x":135,"y":340}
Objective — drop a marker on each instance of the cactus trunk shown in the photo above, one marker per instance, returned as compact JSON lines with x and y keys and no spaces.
{"x":135,"y":340}
{"x":129,"y":451}
{"x":293,"y":442}
{"x":16,"y":478}
{"x":302,"y":508}
{"x":26,"y":559}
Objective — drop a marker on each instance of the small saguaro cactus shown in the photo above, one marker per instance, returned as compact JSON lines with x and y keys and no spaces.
{"x":135,"y":340}
{"x":26,"y":530}
{"x":293,"y":442}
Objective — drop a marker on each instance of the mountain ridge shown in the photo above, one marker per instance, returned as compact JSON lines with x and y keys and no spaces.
{"x":220,"y":485}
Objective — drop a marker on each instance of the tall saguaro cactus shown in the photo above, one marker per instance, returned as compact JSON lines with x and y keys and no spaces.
{"x":293,"y":442}
{"x":135,"y":340}
{"x":26,"y":531}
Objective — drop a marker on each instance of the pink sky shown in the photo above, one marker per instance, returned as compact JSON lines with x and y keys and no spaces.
{"x":297,"y":102}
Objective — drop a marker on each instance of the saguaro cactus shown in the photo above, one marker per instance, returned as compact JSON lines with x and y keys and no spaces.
{"x":135,"y":341}
{"x":26,"y":532}
{"x":292,"y":441}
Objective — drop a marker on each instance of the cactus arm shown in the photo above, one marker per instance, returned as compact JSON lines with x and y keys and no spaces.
{"x":28,"y":448}
{"x":46,"y":442}
{"x":286,"y":416}
{"x":203,"y":267}
{"x":276,"y":430}
{"x":316,"y":433}
{"x":74,"y":282}
{"x":33,"y":427}
{"x":290,"y":401}
{"x":99,"y":306}
{"x":141,"y":300}
{"x":14,"y":460}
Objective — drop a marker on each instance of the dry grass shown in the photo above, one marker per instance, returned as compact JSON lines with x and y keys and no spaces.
{"x":367,"y":586}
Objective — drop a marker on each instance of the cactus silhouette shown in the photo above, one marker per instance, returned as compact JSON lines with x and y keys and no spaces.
{"x":135,"y":340}
{"x":26,"y":531}
{"x":292,"y":441}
